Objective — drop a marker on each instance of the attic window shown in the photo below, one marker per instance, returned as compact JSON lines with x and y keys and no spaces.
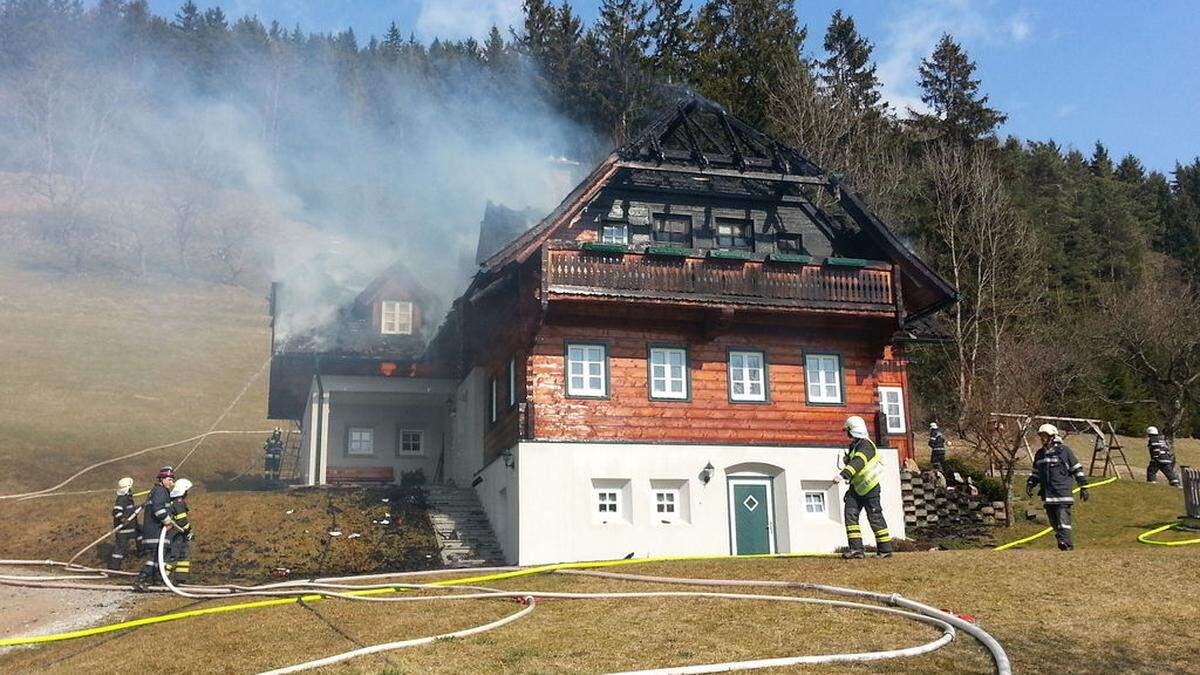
{"x":735,"y":234}
{"x":789,"y":242}
{"x":673,"y":228}
{"x":396,"y":318}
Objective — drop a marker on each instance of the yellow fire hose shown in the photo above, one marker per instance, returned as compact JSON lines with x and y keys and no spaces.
{"x":1048,"y":530}
{"x":1145,"y":536}
{"x":134,"y":623}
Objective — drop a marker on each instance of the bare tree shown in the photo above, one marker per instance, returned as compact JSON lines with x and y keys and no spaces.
{"x":990,"y":254}
{"x":1153,"y":330}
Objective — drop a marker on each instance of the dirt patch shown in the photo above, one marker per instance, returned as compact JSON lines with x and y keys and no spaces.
{"x":26,"y":612}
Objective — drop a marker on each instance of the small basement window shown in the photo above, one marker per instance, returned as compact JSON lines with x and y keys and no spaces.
{"x":666,"y":505}
{"x":747,"y":376}
{"x":412,"y":442}
{"x":814,"y":503}
{"x":608,"y":502}
{"x":614,"y":233}
{"x":673,"y":229}
{"x":587,"y":370}
{"x":735,"y":234}
{"x":360,"y":441}
{"x":396,"y":318}
{"x":823,"y":375}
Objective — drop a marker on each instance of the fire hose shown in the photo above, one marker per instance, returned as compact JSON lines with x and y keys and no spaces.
{"x":1145,"y":536}
{"x":1048,"y":530}
{"x":912,"y":610}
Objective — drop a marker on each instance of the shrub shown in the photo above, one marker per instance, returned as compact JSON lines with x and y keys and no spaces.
{"x":990,"y":488}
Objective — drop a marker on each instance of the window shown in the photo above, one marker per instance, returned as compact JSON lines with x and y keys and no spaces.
{"x":360,"y":441}
{"x":396,"y":318}
{"x":789,"y":242}
{"x":494,"y":400}
{"x":512,"y":381}
{"x":412,"y":442}
{"x":747,"y":376}
{"x":587,"y":370}
{"x":891,"y":401}
{"x":614,"y":233}
{"x":673,"y":229}
{"x":608,"y":502}
{"x":668,"y":373}
{"x":814,"y":503}
{"x":736,"y":234}
{"x":823,"y":375}
{"x":666,"y":505}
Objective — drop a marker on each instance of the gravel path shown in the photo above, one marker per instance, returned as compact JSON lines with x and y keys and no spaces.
{"x":42,"y":611}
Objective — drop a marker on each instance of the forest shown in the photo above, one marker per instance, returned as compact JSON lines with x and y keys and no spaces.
{"x":140,"y":145}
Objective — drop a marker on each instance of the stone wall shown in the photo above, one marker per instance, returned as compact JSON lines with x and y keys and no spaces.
{"x":930,"y":499}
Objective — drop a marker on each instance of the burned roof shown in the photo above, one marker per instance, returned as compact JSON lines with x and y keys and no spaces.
{"x":501,"y":225}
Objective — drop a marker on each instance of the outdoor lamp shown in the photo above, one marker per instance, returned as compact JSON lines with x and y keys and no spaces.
{"x":706,"y":473}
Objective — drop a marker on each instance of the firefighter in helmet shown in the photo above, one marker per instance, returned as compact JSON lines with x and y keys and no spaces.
{"x":179,"y":542}
{"x":937,"y":446}
{"x":1055,"y":473}
{"x":124,"y":513}
{"x":273,"y":455}
{"x":156,"y":520}
{"x":1162,"y":458}
{"x":863,"y":469}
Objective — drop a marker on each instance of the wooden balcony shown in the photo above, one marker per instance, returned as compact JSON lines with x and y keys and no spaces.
{"x":690,"y":276}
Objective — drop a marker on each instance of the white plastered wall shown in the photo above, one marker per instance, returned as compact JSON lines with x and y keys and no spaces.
{"x":558,"y":521}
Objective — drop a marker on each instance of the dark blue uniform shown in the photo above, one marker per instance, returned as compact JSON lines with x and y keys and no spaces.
{"x":1055,"y":474}
{"x":1162,"y":458}
{"x":157,"y":515}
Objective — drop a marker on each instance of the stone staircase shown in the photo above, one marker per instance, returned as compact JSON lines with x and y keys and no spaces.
{"x":462,"y":528}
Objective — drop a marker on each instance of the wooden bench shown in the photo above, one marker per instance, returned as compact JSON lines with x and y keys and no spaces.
{"x":360,"y":474}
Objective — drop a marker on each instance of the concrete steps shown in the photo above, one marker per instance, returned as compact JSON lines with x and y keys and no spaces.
{"x":464,"y":534}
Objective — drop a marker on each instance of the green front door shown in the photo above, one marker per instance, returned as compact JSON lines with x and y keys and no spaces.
{"x":751,"y":518}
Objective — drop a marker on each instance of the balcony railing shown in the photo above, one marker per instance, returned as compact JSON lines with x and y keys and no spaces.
{"x":860,"y":286}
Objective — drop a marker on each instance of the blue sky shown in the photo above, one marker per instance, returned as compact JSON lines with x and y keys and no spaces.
{"x":1127,"y":73}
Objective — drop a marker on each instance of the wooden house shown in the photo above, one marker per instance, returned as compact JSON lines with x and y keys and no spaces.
{"x":663,"y":364}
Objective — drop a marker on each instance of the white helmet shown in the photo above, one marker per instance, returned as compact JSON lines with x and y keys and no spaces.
{"x":1048,"y":429}
{"x":856,"y":426}
{"x":124,"y":485}
{"x":933,"y":426}
{"x":1151,"y":431}
{"x":181,"y":487}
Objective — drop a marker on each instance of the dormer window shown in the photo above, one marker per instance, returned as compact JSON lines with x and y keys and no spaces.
{"x":789,"y":242}
{"x":673,"y":229}
{"x":735,"y":234}
{"x":614,"y":233}
{"x":396,"y":318}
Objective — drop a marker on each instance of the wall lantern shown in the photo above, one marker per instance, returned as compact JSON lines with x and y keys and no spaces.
{"x":507,"y":456}
{"x":706,"y":473}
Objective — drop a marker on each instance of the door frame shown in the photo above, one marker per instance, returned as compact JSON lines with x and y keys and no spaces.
{"x":766,"y":481}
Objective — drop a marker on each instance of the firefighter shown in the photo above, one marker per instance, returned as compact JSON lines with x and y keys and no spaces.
{"x":178,"y":561}
{"x":937,"y":446}
{"x":273,"y":450}
{"x":1162,"y":458}
{"x":1055,"y":472}
{"x":863,"y":468}
{"x":124,"y":513}
{"x":157,"y":518}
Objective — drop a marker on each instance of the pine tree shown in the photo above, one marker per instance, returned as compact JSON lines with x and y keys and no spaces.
{"x":744,"y":47}
{"x":1101,"y":164}
{"x":673,"y":34}
{"x":188,"y":18}
{"x":539,"y":22}
{"x":621,"y":36}
{"x":1130,"y":170}
{"x":958,"y":112}
{"x":847,"y":76}
{"x":393,"y":42}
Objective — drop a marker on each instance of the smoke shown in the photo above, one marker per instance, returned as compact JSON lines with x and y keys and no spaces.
{"x":339,"y":162}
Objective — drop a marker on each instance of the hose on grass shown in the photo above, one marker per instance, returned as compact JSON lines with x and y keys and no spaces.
{"x":1048,"y":530}
{"x":927,"y":615}
{"x":1145,"y":536}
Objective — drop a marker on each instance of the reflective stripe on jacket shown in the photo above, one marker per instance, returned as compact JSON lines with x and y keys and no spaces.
{"x":1160,"y":450}
{"x":1056,"y":471}
{"x":157,"y":510}
{"x":863,"y":466}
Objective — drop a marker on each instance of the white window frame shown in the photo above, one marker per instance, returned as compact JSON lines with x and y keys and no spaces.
{"x":745,"y":380}
{"x":586,"y":390}
{"x":401,"y":452}
{"x":824,"y":512}
{"x":512,"y":381}
{"x":816,"y":376}
{"x":606,"y":503}
{"x":401,"y":320}
{"x":660,"y":387}
{"x":351,"y":441}
{"x":671,"y":498}
{"x":896,"y":423}
{"x":608,"y":230}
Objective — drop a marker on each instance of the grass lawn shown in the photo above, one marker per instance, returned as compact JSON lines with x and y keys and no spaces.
{"x":96,"y":368}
